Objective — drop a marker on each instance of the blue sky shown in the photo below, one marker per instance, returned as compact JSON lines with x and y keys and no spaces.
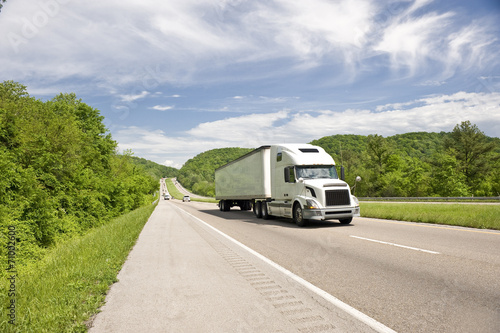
{"x":176,"y":78}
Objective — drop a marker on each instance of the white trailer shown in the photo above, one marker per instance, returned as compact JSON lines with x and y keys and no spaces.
{"x":297,"y":181}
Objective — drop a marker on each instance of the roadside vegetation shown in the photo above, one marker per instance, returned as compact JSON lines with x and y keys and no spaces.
{"x":461,"y":163}
{"x":60,"y":174}
{"x":198,"y":173}
{"x":465,"y":215}
{"x":62,"y":183}
{"x":172,"y":190}
{"x":62,"y":291}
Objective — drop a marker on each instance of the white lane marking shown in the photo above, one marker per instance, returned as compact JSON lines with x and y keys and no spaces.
{"x":377,"y":326}
{"x":398,"y":245}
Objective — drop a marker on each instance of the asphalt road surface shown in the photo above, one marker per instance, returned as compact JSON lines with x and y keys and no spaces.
{"x":372,"y":275}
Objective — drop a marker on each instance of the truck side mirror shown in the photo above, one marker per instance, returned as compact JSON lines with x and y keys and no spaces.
{"x":342,"y":173}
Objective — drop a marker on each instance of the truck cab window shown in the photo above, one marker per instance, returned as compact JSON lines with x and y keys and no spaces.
{"x":290,"y":175}
{"x":317,"y":172}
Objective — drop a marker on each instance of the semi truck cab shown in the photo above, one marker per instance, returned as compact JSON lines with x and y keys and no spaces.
{"x":297,"y":181}
{"x":308,"y":187}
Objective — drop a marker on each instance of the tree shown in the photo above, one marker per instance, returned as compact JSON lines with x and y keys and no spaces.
{"x":472,"y":151}
{"x":379,"y":150}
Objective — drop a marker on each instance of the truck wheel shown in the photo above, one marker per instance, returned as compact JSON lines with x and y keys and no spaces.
{"x":346,"y":221}
{"x":245,"y":205}
{"x":257,"y":209}
{"x":265,"y":213}
{"x":221,"y":205}
{"x":298,"y":217}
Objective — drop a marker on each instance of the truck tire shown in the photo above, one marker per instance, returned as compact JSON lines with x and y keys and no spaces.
{"x":265,"y":213}
{"x":257,"y":209}
{"x":245,"y":205}
{"x":224,"y":206}
{"x":298,"y":217}
{"x":346,"y":221}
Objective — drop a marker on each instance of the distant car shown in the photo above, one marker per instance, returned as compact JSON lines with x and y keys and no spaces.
{"x":186,"y":198}
{"x":167,"y":197}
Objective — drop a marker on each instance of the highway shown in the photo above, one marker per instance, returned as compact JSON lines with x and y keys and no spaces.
{"x":402,"y":276}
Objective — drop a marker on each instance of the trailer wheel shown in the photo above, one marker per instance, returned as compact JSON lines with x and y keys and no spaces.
{"x":265,"y":213}
{"x":298,"y":217}
{"x":245,"y":205}
{"x":221,"y":205}
{"x":257,"y":209}
{"x":346,"y":221}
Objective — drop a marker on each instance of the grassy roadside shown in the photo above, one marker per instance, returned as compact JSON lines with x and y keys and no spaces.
{"x":465,"y":215}
{"x":69,"y":285}
{"x":174,"y":192}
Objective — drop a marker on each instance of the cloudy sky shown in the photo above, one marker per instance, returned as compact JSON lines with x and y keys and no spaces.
{"x":174,"y":78}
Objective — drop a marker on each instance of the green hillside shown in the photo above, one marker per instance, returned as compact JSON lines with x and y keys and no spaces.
{"x":198,"y":173}
{"x":60,"y":174}
{"x":153,"y":169}
{"x":463,"y":162}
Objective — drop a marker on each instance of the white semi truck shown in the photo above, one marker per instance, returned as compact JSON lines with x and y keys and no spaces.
{"x":297,"y":181}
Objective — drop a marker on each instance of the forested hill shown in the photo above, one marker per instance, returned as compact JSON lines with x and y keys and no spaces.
{"x":198,"y":173}
{"x":463,"y":162}
{"x":153,"y":169}
{"x":416,"y":144}
{"x":60,"y":174}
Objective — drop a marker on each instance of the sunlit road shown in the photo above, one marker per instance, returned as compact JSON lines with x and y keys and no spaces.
{"x":197,"y":269}
{"x":411,"y":277}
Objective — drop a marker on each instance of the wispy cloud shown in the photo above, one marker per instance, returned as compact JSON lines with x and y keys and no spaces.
{"x":431,"y":114}
{"x":162,"y":107}
{"x":185,"y":36}
{"x":134,"y":97}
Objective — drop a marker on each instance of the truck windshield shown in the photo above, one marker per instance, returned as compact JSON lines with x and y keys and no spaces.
{"x":316,"y":172}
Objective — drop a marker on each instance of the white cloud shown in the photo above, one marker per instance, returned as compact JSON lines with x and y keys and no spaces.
{"x":147,"y":43}
{"x":134,"y":97}
{"x":162,"y":107}
{"x":430,"y":114}
{"x":412,"y":39}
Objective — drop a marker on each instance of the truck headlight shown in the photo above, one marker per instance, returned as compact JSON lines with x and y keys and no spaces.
{"x":311,"y":204}
{"x":355,"y":200}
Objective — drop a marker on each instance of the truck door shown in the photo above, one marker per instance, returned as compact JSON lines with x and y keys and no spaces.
{"x":288,"y":190}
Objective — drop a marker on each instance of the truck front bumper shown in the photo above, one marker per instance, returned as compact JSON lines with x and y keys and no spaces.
{"x":331,"y":214}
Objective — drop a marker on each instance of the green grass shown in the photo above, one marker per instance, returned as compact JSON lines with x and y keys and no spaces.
{"x":65,"y":289}
{"x":174,"y":192}
{"x":465,"y":215}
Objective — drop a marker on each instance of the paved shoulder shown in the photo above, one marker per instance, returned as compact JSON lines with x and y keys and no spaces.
{"x":183,"y":277}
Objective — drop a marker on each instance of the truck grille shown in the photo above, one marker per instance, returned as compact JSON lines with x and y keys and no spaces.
{"x":337,"y":198}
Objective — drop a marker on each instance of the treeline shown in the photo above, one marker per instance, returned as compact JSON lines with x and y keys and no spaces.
{"x":60,"y":174}
{"x":464,"y":162}
{"x":198,"y":173}
{"x":153,"y":169}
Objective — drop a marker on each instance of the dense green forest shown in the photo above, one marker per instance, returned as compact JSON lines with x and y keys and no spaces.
{"x":153,"y":169}
{"x":60,"y":174}
{"x":463,"y":162}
